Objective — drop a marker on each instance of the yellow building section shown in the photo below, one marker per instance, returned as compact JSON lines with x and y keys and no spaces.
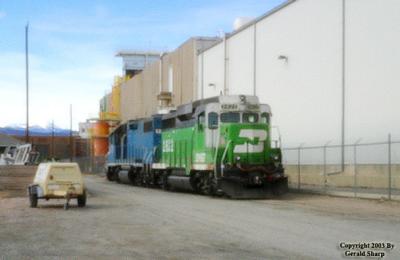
{"x":110,"y":105}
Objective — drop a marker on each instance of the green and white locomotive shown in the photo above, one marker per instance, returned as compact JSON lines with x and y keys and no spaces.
{"x":217,"y":146}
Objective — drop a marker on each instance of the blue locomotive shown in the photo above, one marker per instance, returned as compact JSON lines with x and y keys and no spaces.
{"x":134,"y":147}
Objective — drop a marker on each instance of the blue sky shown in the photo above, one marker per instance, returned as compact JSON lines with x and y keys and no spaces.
{"x":73,"y":43}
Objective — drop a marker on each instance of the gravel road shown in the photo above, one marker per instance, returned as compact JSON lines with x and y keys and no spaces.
{"x":122,"y":221}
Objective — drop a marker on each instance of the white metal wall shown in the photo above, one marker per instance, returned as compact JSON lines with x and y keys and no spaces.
{"x":373,"y":69}
{"x":213,"y":75}
{"x":240,"y":62}
{"x":305,"y":91}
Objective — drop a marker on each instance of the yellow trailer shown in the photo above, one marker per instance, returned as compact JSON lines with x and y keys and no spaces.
{"x":57,"y":181}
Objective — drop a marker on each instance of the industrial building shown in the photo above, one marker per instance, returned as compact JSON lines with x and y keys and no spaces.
{"x":8,"y":141}
{"x":57,"y":147}
{"x":327,"y":68}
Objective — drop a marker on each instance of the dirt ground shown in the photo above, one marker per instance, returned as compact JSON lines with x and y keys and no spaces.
{"x":122,"y":221}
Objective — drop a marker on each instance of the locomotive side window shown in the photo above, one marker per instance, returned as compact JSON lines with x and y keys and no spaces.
{"x":265,"y":118}
{"x":212,"y":120}
{"x":168,"y":123}
{"x":230,"y":117}
{"x":148,"y":126}
{"x":201,"y":118}
{"x":133,"y":126}
{"x":250,"y":118}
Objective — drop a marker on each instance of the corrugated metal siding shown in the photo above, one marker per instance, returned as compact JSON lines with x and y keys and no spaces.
{"x":150,"y":89}
{"x":139,"y":94}
{"x":131,"y":98}
{"x":183,"y":62}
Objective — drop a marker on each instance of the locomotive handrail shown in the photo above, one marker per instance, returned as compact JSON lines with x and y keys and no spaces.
{"x":180,"y":152}
{"x":223,"y":157}
{"x":216,"y":153}
{"x":185,"y":161}
{"x":150,"y":155}
{"x":155,"y":155}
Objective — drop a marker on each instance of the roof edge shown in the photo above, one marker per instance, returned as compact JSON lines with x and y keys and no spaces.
{"x":251,"y":23}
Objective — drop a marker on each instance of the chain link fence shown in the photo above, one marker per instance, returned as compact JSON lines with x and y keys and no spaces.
{"x":367,"y":170}
{"x":89,"y":164}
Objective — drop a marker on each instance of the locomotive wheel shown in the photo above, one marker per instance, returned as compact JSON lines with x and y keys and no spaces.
{"x":111,"y":174}
{"x":205,"y":184}
{"x":136,"y":180}
{"x":116,"y":178}
{"x":205,"y":187}
{"x":132,"y":176}
{"x":165,"y":186}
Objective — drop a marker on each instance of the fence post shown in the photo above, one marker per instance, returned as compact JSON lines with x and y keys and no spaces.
{"x":325,"y":171}
{"x":390,"y":166}
{"x":324,"y":152}
{"x":355,"y":185}
{"x":298,"y":166}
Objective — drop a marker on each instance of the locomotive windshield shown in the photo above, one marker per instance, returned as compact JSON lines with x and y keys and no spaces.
{"x":237,"y":117}
{"x":230,"y":117}
{"x":265,"y":118}
{"x":250,"y":118}
{"x":212,"y":120}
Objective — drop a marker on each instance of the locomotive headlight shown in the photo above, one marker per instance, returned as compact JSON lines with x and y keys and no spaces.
{"x":238,"y":158}
{"x":276,"y":157}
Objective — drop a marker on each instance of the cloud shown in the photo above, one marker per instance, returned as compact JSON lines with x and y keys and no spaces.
{"x":2,"y":14}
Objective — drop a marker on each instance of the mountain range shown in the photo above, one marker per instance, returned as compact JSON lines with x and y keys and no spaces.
{"x":19,"y":130}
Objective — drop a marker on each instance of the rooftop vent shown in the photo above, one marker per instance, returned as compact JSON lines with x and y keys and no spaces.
{"x":240,"y":22}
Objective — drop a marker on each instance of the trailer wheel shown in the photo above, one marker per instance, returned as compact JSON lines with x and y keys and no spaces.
{"x":33,"y":198}
{"x":82,"y":200}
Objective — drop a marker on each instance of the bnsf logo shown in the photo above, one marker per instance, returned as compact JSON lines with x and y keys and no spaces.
{"x":251,"y":135}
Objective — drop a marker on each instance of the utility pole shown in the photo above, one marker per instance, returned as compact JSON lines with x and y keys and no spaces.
{"x":70,"y":134}
{"x":52,"y":139}
{"x":27,"y":83}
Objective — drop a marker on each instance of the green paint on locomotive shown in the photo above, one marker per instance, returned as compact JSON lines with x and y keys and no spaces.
{"x":244,"y":143}
{"x":177,"y":146}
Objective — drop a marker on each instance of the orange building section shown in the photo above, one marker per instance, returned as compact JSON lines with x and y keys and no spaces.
{"x":100,"y":147}
{"x":100,"y":132}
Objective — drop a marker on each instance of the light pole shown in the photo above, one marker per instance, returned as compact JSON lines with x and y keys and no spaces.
{"x":70,"y":134}
{"x":27,"y":83}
